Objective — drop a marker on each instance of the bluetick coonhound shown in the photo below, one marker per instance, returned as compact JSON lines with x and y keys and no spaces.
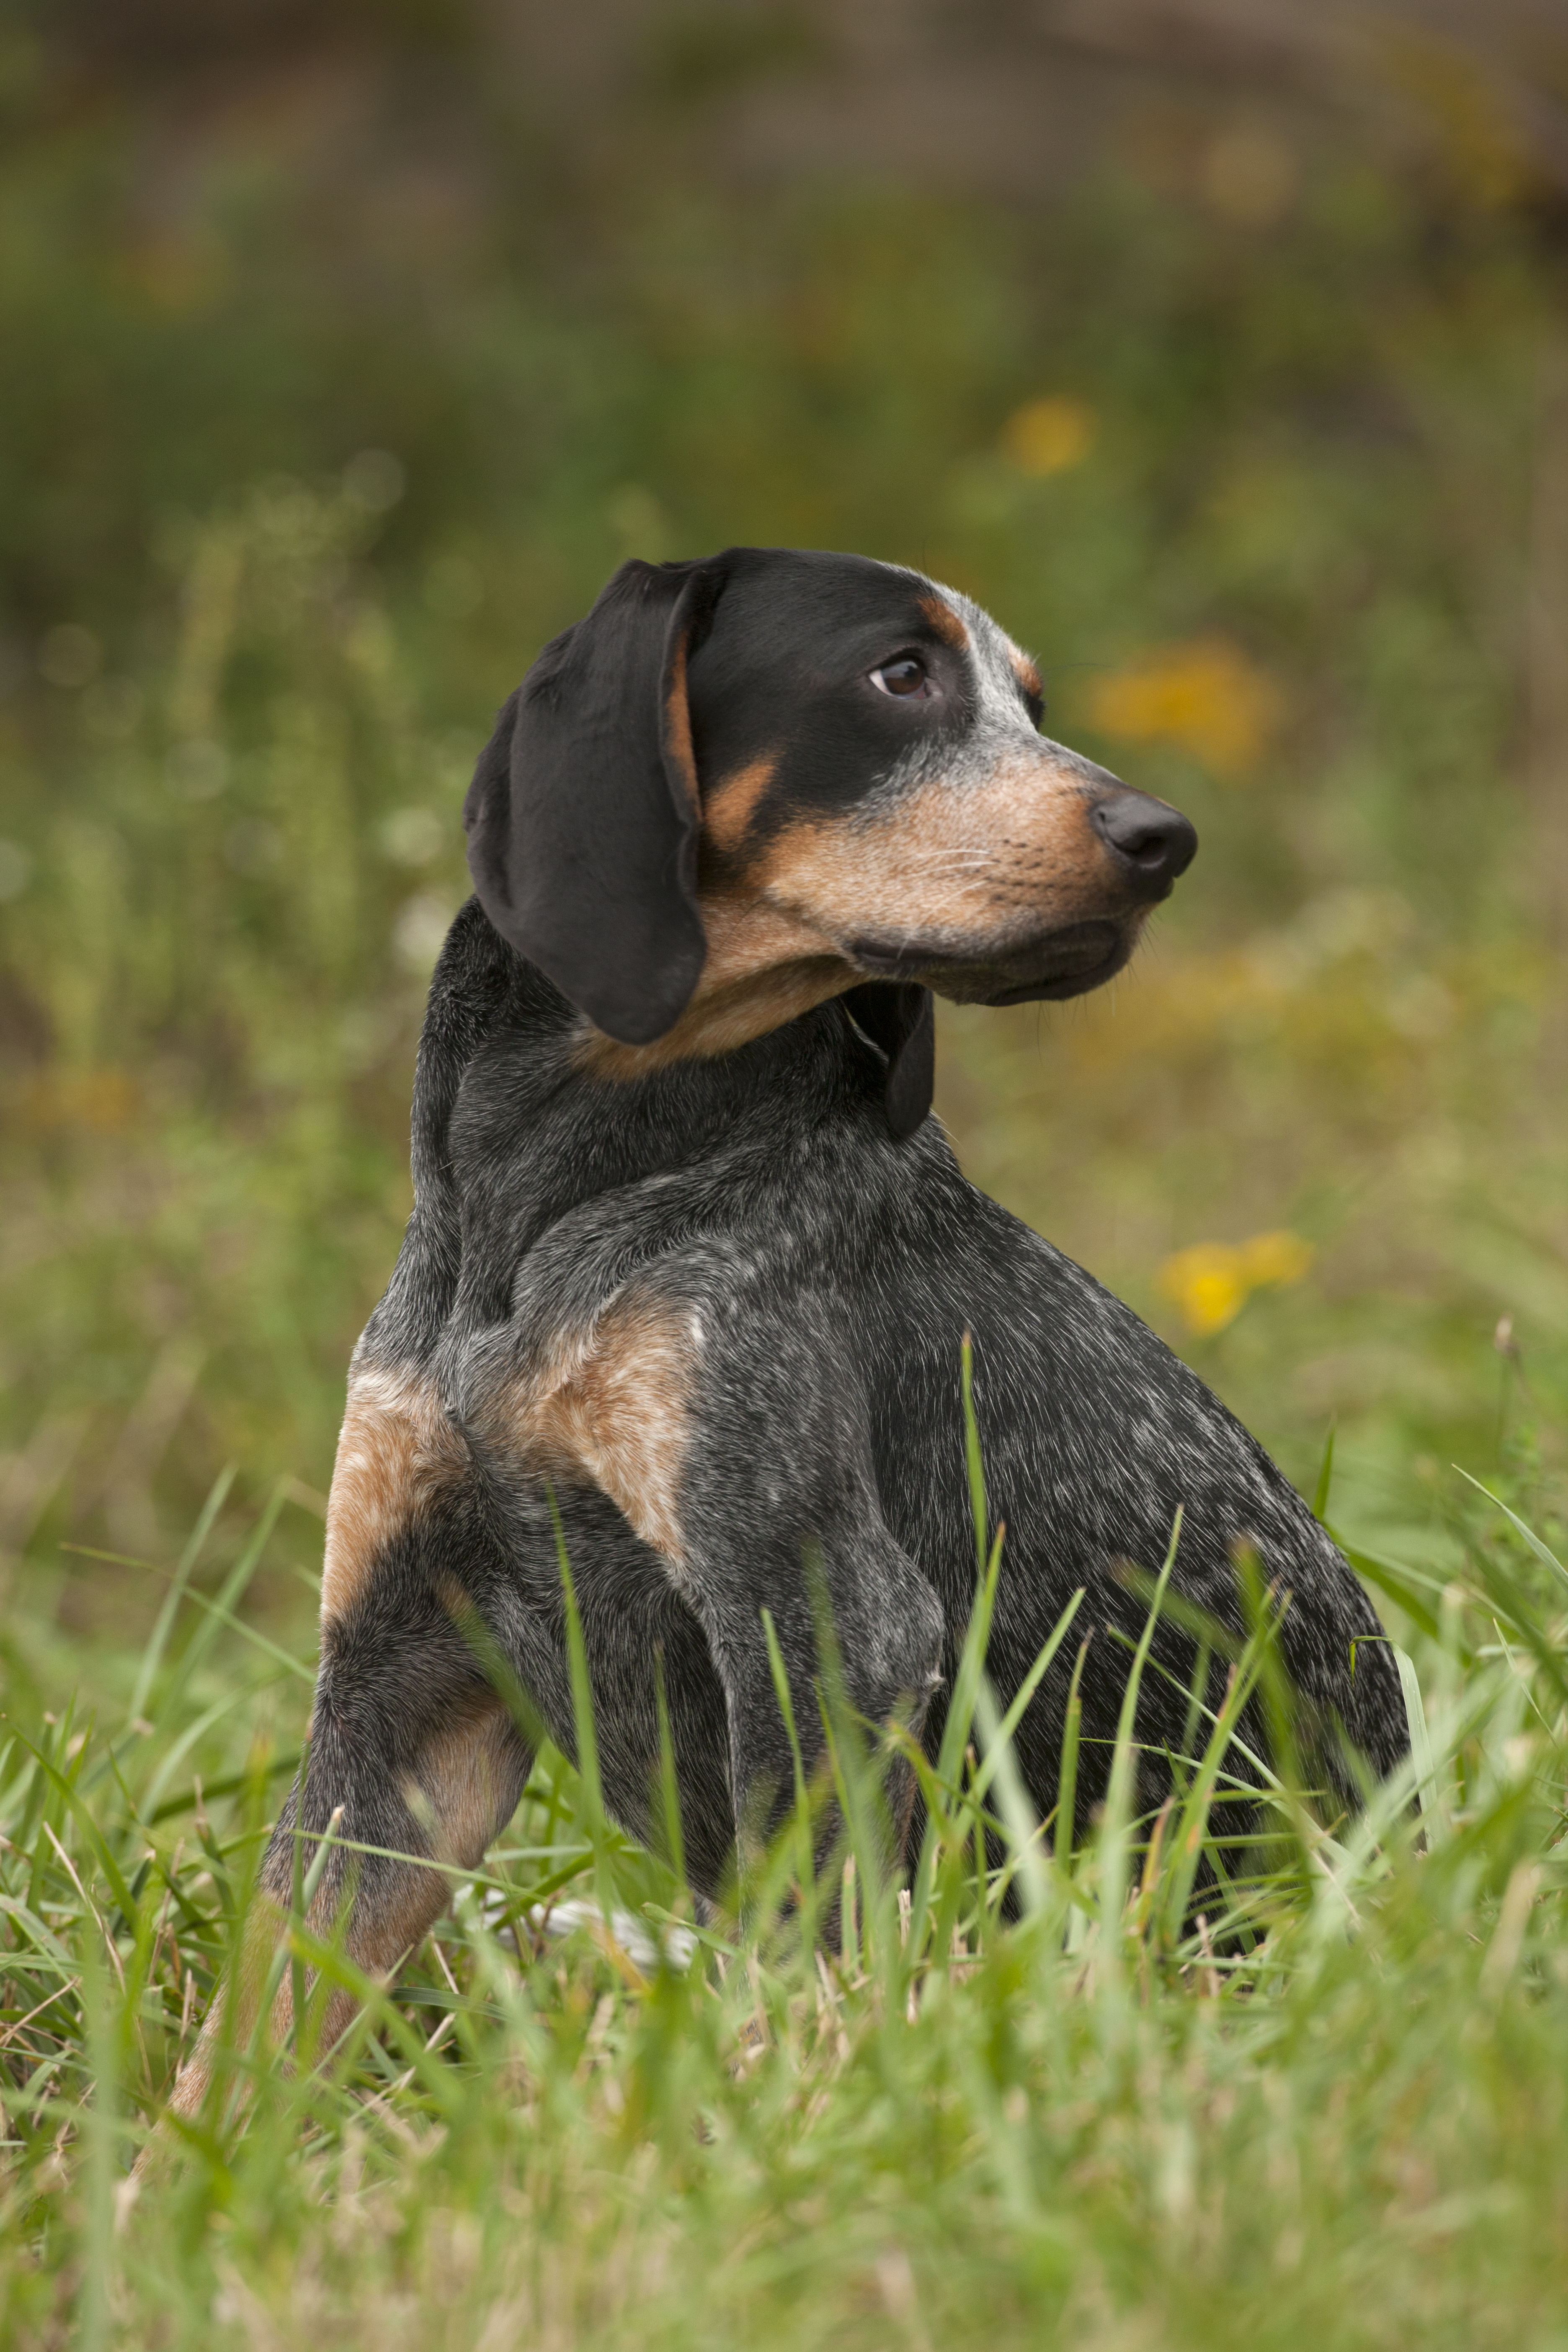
{"x":689,"y":1254}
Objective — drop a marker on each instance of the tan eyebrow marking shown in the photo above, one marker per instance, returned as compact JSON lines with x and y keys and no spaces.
{"x":1024,"y":671}
{"x":945,"y":622}
{"x":398,"y":1450}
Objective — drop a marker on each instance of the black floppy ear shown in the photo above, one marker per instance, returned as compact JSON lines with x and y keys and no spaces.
{"x":899,"y":1016}
{"x":583,"y":815}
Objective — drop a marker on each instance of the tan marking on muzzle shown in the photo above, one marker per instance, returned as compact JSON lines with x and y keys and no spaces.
{"x":398,"y":1452}
{"x":613,"y":1405}
{"x":959,"y":862}
{"x":978,"y":863}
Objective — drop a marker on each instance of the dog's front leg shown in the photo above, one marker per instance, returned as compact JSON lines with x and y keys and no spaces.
{"x":414,"y":1763}
{"x":406,"y":1763}
{"x":857,"y":1629}
{"x":736,"y":1446}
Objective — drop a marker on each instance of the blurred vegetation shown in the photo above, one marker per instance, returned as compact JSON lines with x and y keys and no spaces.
{"x":1253,"y":441}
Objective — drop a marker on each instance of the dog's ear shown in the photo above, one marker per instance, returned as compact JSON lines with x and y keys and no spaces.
{"x":899,"y":1016}
{"x":583,"y":813}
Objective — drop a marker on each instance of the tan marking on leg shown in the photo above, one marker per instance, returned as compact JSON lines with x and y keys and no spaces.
{"x":466,"y":1785}
{"x":397,"y":1450}
{"x":612,"y":1405}
{"x":947,"y":623}
{"x":462,"y":1792}
{"x":471,"y":1779}
{"x":231,"y":2017}
{"x":234,"y":2006}
{"x":375,"y":1949}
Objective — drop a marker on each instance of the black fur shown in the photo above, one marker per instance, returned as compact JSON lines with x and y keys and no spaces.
{"x":582,"y":833}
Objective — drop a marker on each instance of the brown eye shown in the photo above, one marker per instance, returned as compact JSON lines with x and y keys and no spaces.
{"x":905,"y":676}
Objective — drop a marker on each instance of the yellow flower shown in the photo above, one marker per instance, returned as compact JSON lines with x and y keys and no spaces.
{"x":1211,"y":1282}
{"x":1280,"y":1258}
{"x":1206,"y":1283}
{"x":1206,"y":696}
{"x":1047,"y":436}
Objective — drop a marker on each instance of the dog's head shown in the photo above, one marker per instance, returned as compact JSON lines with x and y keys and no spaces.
{"x":744,"y":786}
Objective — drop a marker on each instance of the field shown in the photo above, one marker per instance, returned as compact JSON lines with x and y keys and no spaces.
{"x":1328,"y":2101}
{"x":1276,"y":484}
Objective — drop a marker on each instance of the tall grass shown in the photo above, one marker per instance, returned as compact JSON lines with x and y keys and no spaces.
{"x":1151,"y":2089}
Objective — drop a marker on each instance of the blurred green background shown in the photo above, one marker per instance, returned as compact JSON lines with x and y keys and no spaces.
{"x":350,"y":347}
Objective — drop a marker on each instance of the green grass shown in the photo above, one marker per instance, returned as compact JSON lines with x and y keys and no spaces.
{"x":1325,"y":2098}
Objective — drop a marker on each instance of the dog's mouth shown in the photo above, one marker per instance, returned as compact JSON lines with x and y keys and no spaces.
{"x":1054,"y":964}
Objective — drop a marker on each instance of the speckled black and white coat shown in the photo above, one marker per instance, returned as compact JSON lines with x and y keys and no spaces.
{"x":689,"y":1255}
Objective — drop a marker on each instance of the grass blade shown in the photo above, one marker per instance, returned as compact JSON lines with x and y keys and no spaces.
{"x":1013,"y":1802}
{"x":1421,"y":1758}
{"x":1548,"y":1558}
{"x":1325,"y":1479}
{"x":157,"y":1641}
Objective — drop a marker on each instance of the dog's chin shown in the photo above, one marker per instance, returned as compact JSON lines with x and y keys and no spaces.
{"x":1075,"y":983}
{"x":1068,"y":961}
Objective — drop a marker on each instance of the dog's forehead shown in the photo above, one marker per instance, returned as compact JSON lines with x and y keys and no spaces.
{"x":809,"y":598}
{"x":820,"y":606}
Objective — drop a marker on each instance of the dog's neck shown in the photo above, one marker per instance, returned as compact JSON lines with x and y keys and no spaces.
{"x":764,"y":967}
{"x":511,"y":1133}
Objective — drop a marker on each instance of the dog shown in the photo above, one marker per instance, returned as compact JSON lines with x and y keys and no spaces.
{"x":690,"y":1265}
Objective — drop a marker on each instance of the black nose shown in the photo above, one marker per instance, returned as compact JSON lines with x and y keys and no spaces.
{"x":1153,"y":841}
